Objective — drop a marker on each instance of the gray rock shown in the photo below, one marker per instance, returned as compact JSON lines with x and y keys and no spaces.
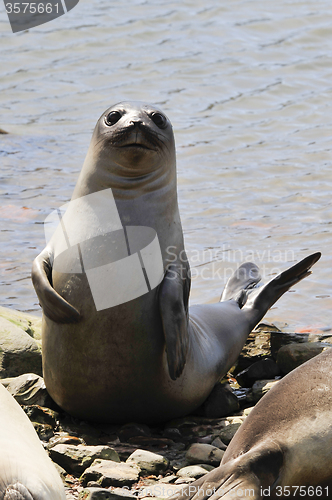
{"x":293,"y":355}
{"x":193,"y":471}
{"x":108,"y":473}
{"x":217,"y":442}
{"x":160,"y":491}
{"x":75,"y":459}
{"x":44,"y":431}
{"x":199,"y":453}
{"x":220,"y":403}
{"x":168,"y":479}
{"x":132,"y":430}
{"x":28,"y":389}
{"x":228,"y":432}
{"x":95,"y":493}
{"x":19,"y":353}
{"x":29,"y":323}
{"x":260,"y":388}
{"x":148,"y":462}
{"x":42,"y":415}
{"x":263,"y":369}
{"x":185,"y":480}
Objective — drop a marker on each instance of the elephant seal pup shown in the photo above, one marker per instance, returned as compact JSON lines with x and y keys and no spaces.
{"x":283,"y":448}
{"x":113,"y":282}
{"x":26,"y":471}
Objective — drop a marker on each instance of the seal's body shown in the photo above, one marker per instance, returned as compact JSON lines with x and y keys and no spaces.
{"x":283,"y":448}
{"x":144,"y":356}
{"x":26,"y":471}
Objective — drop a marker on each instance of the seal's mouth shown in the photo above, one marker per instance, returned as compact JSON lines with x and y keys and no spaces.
{"x":140,"y":138}
{"x":136,"y":145}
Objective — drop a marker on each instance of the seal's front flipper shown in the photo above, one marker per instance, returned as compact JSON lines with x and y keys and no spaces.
{"x":54,"y":306}
{"x":246,"y":476}
{"x":244,"y":278}
{"x":261,"y":299}
{"x":226,"y":482}
{"x":173,"y":305}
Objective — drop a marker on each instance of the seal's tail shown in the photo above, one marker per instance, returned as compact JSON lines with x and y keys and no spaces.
{"x":257,"y":301}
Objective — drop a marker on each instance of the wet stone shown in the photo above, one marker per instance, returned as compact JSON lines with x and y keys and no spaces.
{"x":293,"y":355}
{"x":19,"y":353}
{"x":204,"y":453}
{"x":41,"y":415}
{"x":132,"y":430}
{"x":108,"y":473}
{"x":75,"y":459}
{"x":260,"y":388}
{"x":64,"y":439}
{"x":148,"y":462}
{"x":194,"y":471}
{"x":217,"y":442}
{"x":226,"y":435}
{"x":160,"y":490}
{"x":98,"y":493}
{"x":28,"y":389}
{"x":265,"y":368}
{"x":220,"y":403}
{"x":44,"y":431}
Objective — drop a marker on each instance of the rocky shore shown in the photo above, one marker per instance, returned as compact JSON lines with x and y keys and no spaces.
{"x":100,"y":461}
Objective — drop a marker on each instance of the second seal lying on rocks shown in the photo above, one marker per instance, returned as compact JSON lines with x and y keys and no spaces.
{"x":283,"y":449}
{"x":118,"y":340}
{"x":26,"y":471}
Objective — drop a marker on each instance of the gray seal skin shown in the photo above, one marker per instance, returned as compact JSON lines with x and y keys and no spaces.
{"x":284,"y":443}
{"x":26,"y":471}
{"x":146,"y":359}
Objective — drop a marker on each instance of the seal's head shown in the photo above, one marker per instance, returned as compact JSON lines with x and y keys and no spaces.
{"x":132,"y":150}
{"x":137,"y":137}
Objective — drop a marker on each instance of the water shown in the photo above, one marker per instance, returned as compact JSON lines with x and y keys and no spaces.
{"x":247,"y":86}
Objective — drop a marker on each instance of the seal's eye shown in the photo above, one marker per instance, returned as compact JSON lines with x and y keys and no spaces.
{"x":159,"y":119}
{"x":112,"y":118}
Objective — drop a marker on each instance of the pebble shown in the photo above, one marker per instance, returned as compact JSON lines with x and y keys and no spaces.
{"x":227,"y":434}
{"x":260,"y":388}
{"x":75,"y":459}
{"x":265,"y":368}
{"x":28,"y":389}
{"x":220,"y":403}
{"x":148,"y":462}
{"x":109,"y":473}
{"x":199,"y":453}
{"x":293,"y":355}
{"x":20,"y":353}
{"x":194,"y":471}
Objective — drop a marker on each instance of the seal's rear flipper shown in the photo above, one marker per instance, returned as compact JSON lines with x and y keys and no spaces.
{"x":54,"y":306}
{"x":244,"y":278}
{"x":261,"y":299}
{"x":173,"y":305}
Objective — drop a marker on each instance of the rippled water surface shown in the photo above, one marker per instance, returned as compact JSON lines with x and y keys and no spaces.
{"x":247,"y":86}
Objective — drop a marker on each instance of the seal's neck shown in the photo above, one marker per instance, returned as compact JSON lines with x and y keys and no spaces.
{"x":160,"y":182}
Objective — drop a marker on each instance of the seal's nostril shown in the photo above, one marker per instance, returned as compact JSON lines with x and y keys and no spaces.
{"x":137,"y":122}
